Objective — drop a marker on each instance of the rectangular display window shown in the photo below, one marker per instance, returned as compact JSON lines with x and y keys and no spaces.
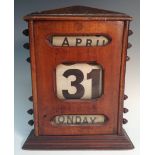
{"x":79,"y":81}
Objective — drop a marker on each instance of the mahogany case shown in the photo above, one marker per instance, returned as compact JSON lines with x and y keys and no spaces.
{"x":78,"y":21}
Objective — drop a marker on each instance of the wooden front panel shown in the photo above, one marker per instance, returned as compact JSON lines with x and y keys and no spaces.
{"x":48,"y":57}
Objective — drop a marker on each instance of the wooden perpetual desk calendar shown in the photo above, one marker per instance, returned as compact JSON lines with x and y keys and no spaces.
{"x":78,"y":58}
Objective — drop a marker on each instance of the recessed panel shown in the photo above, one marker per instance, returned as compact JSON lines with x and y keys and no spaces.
{"x":76,"y":40}
{"x":79,"y":81}
{"x":79,"y":120}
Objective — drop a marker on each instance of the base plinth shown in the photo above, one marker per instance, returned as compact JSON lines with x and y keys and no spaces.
{"x":107,"y":142}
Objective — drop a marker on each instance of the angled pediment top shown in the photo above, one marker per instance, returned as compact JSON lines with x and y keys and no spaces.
{"x":77,"y":11}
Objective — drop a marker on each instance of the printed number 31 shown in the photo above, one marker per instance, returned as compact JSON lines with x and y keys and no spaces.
{"x":94,"y":75}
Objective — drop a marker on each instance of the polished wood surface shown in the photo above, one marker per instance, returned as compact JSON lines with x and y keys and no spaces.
{"x":44,"y":60}
{"x":48,"y":58}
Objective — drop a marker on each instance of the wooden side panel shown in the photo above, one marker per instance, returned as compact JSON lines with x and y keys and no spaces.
{"x":33,"y":75}
{"x":122,"y":76}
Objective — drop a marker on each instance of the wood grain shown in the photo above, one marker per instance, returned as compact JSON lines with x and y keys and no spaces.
{"x":95,"y":142}
{"x":44,"y":60}
{"x":49,"y":57}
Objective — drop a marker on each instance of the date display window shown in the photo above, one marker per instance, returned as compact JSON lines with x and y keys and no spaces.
{"x":79,"y":81}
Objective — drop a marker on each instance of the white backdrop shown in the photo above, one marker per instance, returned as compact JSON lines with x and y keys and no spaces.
{"x":23,"y":78}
